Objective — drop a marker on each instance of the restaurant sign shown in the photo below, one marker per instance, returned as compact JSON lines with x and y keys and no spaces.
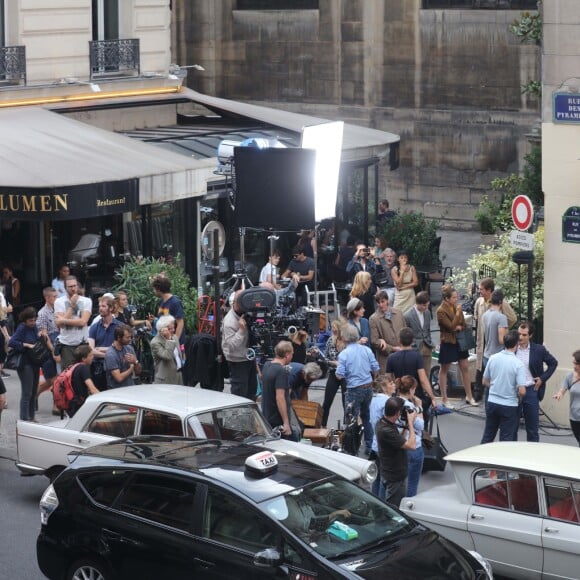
{"x":67,"y":203}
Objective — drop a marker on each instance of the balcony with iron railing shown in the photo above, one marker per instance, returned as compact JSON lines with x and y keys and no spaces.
{"x":114,"y":58}
{"x":12,"y":65}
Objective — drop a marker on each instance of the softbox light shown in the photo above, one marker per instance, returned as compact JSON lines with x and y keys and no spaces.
{"x":326,"y":140}
{"x":274,"y":188}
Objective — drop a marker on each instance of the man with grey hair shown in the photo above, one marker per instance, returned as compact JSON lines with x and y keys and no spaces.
{"x":301,"y":377}
{"x":385,"y":276}
{"x":358,"y":365}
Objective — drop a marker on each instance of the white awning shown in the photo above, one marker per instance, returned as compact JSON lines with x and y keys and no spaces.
{"x":40,"y":149}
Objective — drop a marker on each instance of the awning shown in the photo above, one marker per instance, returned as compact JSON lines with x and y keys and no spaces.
{"x":53,"y":167}
{"x":357,"y":141}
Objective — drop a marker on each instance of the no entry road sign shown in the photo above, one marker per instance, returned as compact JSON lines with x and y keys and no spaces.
{"x":522,"y":212}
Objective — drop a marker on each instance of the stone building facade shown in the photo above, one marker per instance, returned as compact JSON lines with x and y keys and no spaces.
{"x":448,"y":81}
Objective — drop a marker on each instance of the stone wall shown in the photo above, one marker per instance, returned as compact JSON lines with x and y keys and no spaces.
{"x":447,"y":81}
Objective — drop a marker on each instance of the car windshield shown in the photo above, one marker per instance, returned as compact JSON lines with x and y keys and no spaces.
{"x":336,"y":517}
{"x":239,"y":423}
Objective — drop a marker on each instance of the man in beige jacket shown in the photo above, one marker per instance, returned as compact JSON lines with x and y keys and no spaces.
{"x":385,"y":325}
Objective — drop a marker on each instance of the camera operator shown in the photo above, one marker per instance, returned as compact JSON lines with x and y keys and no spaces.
{"x":235,"y":334}
{"x":361,"y":262}
{"x":393,"y":448}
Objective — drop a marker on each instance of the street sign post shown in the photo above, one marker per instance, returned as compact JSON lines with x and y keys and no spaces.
{"x":522,"y":212}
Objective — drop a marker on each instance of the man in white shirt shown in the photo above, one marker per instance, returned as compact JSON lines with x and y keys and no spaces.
{"x":72,"y":313}
{"x":270,"y":272}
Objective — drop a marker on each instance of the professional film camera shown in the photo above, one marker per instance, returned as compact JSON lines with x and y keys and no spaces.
{"x":266,"y":326}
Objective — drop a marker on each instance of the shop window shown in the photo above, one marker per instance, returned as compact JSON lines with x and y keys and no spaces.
{"x":277,"y":5}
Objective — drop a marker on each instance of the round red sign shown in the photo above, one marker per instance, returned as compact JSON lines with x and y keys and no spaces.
{"x":522,"y":212}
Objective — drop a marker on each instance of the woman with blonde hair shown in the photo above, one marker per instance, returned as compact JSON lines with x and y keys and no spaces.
{"x":334,"y":345}
{"x":364,"y":289}
{"x":450,"y":319}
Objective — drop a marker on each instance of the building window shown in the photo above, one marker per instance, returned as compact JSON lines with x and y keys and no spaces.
{"x":105,"y":19}
{"x":482,"y":4}
{"x":277,"y":5}
{"x":2,"y":24}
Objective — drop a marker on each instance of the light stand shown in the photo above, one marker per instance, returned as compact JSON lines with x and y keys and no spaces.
{"x":218,"y":314}
{"x":274,"y":270}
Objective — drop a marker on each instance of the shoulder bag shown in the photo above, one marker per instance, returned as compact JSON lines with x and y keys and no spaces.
{"x":465,"y":339}
{"x":13,"y":360}
{"x":39,"y":353}
{"x":434,"y":456}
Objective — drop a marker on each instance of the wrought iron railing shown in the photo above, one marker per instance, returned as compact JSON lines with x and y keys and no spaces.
{"x":13,"y":65}
{"x":112,"y":57}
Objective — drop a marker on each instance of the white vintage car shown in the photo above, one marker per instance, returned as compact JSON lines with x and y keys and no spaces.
{"x":517,"y":504}
{"x":165,"y":410}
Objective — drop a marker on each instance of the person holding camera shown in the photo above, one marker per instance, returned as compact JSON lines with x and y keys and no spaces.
{"x":235,"y":337}
{"x":393,"y":447}
{"x":361,"y":262}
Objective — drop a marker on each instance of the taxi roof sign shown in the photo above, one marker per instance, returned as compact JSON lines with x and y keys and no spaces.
{"x":261,"y":464}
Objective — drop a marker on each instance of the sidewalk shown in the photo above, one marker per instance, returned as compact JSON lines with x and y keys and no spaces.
{"x":456,"y":249}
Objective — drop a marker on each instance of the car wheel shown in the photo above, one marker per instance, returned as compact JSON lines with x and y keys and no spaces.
{"x":54,"y":472}
{"x":88,"y":568}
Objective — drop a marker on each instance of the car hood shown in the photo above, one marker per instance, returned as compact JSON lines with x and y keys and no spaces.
{"x":348,"y":466}
{"x":418,"y":555}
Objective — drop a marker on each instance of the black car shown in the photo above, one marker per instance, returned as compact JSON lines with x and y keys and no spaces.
{"x":164,"y":507}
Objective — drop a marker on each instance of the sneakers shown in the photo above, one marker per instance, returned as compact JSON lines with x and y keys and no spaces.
{"x":448,"y":405}
{"x":472,"y":402}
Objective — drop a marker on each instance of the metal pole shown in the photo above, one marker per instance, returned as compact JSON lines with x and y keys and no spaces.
{"x":531,"y":289}
{"x":217,"y":316}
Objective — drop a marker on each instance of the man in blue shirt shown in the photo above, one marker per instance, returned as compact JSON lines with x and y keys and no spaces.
{"x":169,"y":304}
{"x":506,"y":378}
{"x":101,"y":337}
{"x":358,"y":365}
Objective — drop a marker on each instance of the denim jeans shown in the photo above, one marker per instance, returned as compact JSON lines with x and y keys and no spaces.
{"x":377,"y":488}
{"x":530,"y":411}
{"x":360,"y":398}
{"x":28,"y":376}
{"x":502,"y":418}
{"x":415,"y":466}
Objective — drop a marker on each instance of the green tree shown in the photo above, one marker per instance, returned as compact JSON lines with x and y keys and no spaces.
{"x":136,"y":275}
{"x":413,"y":232}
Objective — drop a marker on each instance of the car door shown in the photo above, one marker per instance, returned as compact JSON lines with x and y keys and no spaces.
{"x":505,"y":522}
{"x":561,"y":529}
{"x":150,"y":533}
{"x":232,"y":533}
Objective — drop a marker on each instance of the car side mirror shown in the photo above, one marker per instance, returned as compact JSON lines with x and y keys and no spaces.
{"x":268,"y":558}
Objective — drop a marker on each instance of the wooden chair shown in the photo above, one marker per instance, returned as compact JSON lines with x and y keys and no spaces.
{"x":439,"y":277}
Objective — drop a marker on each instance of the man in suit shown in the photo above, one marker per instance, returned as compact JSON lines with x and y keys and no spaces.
{"x":418,"y":319}
{"x":534,"y":357}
